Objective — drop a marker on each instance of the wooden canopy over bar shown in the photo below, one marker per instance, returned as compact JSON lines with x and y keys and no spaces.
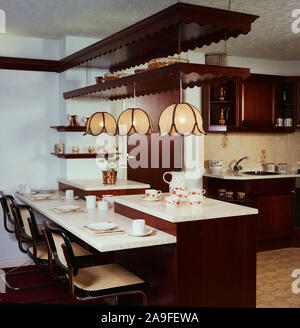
{"x":157,"y":36}
{"x":159,"y":80}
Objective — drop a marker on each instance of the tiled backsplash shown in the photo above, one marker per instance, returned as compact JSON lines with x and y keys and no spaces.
{"x":260,"y":147}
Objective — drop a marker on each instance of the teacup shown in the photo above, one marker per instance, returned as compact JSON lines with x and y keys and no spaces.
{"x":152,"y":193}
{"x":197,"y":191}
{"x":109,"y":199}
{"x":172,"y":201}
{"x":175,"y":190}
{"x":69,"y":194}
{"x":138,"y":227}
{"x":103,"y":205}
{"x":196,"y":200}
{"x":183,"y":195}
{"x":27,"y":189}
{"x":91,"y":201}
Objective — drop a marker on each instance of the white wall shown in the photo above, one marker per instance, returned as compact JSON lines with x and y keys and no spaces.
{"x":29,"y":104}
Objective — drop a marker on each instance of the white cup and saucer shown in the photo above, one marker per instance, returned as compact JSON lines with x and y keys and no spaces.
{"x":69,"y":195}
{"x":102,"y":205}
{"x":139,"y":229}
{"x":152,"y":195}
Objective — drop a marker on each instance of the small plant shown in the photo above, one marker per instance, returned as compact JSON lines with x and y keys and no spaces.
{"x":109,"y":164}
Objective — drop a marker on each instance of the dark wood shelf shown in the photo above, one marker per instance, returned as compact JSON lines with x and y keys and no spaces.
{"x":160,"y":80}
{"x":157,"y":36}
{"x":222,"y":102}
{"x":83,"y":155}
{"x":61,"y":128}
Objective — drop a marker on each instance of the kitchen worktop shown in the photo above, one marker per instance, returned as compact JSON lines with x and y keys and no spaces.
{"x":231,"y":175}
{"x":96,"y":184}
{"x":74,"y":222}
{"x":211,"y":209}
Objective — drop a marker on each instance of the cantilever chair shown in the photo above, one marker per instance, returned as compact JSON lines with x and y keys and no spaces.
{"x":91,"y":282}
{"x":7,"y":202}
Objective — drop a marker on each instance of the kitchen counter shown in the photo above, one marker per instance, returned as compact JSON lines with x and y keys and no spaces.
{"x":230,"y":175}
{"x":73,"y":222}
{"x":211,"y":209}
{"x":97,"y":185}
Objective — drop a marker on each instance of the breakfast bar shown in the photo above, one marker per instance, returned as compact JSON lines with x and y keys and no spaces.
{"x":196,"y":256}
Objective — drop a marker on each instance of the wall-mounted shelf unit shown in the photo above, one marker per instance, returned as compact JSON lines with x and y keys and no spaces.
{"x":61,"y":128}
{"x":159,"y":80}
{"x":83,"y":155}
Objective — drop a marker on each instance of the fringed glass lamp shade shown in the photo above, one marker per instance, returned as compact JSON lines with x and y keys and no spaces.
{"x":134,"y":120}
{"x":182,"y":119}
{"x":101,"y":122}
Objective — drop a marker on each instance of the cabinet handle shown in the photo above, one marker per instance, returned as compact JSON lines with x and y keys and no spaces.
{"x":293,"y":191}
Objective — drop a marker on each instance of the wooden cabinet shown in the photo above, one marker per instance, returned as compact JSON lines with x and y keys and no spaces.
{"x":220,"y":106}
{"x":258,"y":102}
{"x":275,"y":201}
{"x":253,"y":104}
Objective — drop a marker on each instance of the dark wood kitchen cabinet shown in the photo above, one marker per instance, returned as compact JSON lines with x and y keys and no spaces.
{"x":275,"y":201}
{"x":258,"y":102}
{"x":297,"y":118}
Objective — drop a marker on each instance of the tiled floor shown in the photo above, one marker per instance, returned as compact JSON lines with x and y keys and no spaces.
{"x":274,"y":278}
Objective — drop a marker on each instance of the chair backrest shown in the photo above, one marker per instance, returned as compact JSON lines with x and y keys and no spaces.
{"x":55,"y":238}
{"x":22,"y":213}
{"x":7,"y":203}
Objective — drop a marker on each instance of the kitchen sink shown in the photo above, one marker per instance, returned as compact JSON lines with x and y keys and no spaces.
{"x":260,"y":173}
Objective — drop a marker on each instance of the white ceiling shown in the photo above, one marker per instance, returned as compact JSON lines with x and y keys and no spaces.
{"x":271,"y":36}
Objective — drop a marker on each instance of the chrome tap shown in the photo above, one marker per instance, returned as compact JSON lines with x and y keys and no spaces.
{"x":237,"y":167}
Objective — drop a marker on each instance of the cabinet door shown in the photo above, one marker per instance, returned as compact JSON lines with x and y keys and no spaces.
{"x":258,"y":102}
{"x":275,"y":216}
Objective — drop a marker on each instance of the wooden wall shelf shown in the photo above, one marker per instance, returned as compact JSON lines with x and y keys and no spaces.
{"x":82,"y":155}
{"x":61,"y":128}
{"x":160,"y":80}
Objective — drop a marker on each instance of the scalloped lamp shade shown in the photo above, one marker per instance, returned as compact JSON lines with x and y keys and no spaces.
{"x":101,"y":122}
{"x":134,"y":120}
{"x":182,"y":119}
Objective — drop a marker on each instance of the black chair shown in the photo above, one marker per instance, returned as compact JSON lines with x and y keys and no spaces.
{"x":26,"y":230}
{"x":7,"y":202}
{"x":91,"y":282}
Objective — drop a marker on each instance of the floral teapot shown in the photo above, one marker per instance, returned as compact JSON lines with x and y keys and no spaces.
{"x":177,"y":182}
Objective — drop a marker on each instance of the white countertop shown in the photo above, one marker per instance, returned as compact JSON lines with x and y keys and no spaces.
{"x":230,"y":175}
{"x":211,"y":209}
{"x":96,"y":184}
{"x":73,"y":222}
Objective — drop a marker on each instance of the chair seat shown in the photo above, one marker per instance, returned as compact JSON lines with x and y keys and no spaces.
{"x":42,"y":252}
{"x":106,"y":278}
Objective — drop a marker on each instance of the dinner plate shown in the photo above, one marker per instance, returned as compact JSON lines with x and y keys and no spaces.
{"x":148,"y":231}
{"x":41,"y":196}
{"x":75,"y":197}
{"x":101,"y":226}
{"x":148,"y":199}
{"x":67,"y":207}
{"x":44,"y":190}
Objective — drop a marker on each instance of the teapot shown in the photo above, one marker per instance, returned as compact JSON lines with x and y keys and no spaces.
{"x":177,"y":182}
{"x":72,"y":120}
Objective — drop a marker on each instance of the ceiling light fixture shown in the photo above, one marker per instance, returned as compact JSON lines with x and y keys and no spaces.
{"x":180,"y":118}
{"x":101,"y":122}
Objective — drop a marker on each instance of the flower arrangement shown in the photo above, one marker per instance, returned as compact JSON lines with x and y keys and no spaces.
{"x":108,"y":166}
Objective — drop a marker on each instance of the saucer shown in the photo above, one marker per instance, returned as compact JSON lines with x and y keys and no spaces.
{"x":148,"y":231}
{"x":68,"y":200}
{"x":28,"y":194}
{"x":148,"y":199}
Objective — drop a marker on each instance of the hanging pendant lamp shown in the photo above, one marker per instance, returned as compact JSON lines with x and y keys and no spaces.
{"x":134,"y":120}
{"x":101,"y":122}
{"x":180,"y":118}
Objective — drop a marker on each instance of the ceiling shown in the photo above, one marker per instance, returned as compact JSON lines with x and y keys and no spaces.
{"x":271,"y":36}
